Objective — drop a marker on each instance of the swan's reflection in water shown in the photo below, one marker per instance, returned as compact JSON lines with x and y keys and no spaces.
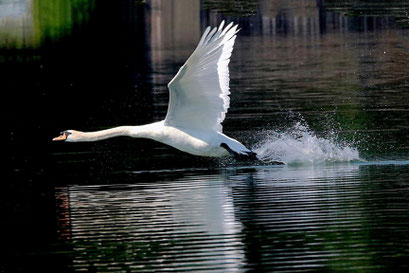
{"x":165,"y":225}
{"x":256,"y":218}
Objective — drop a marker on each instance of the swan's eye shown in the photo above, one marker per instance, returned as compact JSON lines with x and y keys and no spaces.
{"x":65,"y":133}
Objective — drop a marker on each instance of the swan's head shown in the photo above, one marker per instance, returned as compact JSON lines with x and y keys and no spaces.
{"x":68,"y":135}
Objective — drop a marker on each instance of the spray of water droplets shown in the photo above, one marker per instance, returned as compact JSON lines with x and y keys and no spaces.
{"x":299,"y":145}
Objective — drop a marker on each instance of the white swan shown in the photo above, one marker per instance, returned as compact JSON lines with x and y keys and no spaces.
{"x":199,"y":99}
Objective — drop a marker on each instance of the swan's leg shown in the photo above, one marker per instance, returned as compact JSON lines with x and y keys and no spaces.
{"x":248,"y":155}
{"x":231,"y":152}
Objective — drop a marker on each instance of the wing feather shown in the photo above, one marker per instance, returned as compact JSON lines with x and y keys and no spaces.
{"x":199,"y":93}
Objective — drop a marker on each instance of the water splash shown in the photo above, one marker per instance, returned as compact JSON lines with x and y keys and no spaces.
{"x":299,"y":145}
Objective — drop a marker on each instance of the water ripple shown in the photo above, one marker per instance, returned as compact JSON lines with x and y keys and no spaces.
{"x":288,"y":219}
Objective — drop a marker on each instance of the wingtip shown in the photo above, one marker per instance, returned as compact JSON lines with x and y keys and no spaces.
{"x":221,"y":25}
{"x":234,"y":30}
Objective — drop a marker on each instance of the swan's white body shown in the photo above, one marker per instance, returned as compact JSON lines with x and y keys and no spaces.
{"x":197,"y":106}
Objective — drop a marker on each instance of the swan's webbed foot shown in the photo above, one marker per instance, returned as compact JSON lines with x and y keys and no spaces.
{"x":248,"y":155}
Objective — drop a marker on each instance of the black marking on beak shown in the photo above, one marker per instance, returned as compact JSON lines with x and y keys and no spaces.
{"x":62,"y":137}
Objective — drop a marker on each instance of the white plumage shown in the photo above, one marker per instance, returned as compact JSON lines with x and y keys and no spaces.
{"x":199,"y":93}
{"x":198,"y":103}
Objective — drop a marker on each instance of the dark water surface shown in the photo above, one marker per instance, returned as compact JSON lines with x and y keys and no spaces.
{"x":320,"y":85}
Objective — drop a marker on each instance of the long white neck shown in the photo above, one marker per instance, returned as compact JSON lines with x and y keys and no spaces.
{"x":143,"y":131}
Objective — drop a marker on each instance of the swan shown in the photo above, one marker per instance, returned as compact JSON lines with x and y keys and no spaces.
{"x":198,"y":103}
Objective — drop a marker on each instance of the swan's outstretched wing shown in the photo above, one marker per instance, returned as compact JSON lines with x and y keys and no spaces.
{"x":199,"y":93}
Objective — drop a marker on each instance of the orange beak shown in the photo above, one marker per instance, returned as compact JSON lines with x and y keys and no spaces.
{"x":61,"y":137}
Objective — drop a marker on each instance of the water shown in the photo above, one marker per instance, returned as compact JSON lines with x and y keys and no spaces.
{"x":318,"y":85}
{"x":286,"y":219}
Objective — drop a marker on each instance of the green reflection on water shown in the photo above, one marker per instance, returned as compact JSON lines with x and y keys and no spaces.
{"x":43,"y":21}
